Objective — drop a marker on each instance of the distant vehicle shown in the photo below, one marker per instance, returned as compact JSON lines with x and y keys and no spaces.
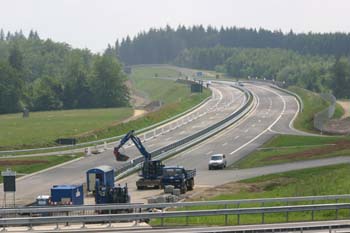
{"x":217,"y":161}
{"x":240,"y":84}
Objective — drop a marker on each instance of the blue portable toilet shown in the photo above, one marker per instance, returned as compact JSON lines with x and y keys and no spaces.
{"x":104,"y":174}
{"x":67,"y":195}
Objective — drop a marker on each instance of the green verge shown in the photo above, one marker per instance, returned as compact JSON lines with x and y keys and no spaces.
{"x":292,"y":148}
{"x":313,"y":103}
{"x":28,"y":165}
{"x":329,"y":180}
{"x":43,"y":128}
{"x":339,"y":111}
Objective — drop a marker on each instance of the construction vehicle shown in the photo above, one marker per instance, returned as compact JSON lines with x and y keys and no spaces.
{"x":151,"y":171}
{"x":178,"y":177}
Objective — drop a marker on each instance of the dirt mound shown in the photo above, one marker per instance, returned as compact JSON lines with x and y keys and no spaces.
{"x":10,"y":162}
{"x":338,"y":146}
{"x":338,"y":126}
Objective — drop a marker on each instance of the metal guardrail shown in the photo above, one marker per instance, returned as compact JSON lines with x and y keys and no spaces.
{"x":172,"y":214}
{"x":79,"y":145}
{"x":55,"y":209}
{"x":322,"y":118}
{"x":188,"y":141}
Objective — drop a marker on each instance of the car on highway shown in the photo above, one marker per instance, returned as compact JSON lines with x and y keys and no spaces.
{"x":217,"y":161}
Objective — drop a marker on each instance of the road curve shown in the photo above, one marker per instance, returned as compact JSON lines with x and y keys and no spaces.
{"x":225,"y":100}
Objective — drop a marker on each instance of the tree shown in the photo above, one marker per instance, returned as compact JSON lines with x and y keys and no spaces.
{"x":10,"y":89}
{"x":2,"y":35}
{"x":341,"y":78}
{"x":16,"y":58}
{"x":108,"y":83}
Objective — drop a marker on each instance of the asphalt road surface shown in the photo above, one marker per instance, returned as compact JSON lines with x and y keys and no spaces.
{"x":225,"y":100}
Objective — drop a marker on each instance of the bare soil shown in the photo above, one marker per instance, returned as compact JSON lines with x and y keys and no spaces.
{"x":338,"y":146}
{"x":236,"y":187}
{"x":10,"y":162}
{"x":346,"y":106}
{"x":342,"y":125}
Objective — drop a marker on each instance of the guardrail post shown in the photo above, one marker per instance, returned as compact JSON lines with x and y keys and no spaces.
{"x":263,"y":214}
{"x":313,"y":212}
{"x":238,"y":215}
{"x":336,"y":211}
{"x":287,"y":213}
{"x":110,"y":220}
{"x":186,"y":217}
{"x":226,"y":217}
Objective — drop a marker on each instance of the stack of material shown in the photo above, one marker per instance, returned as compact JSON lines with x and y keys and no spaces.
{"x":161,"y":199}
{"x":172,"y":198}
{"x":176,"y":192}
{"x":169,"y":189}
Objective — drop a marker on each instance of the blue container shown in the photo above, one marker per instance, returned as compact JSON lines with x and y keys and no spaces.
{"x":103,"y":174}
{"x":67,"y":195}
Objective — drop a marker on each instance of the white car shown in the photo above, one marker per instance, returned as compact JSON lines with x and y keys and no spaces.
{"x":217,"y":161}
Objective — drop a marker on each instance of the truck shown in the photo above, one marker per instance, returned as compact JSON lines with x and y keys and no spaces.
{"x":151,"y":170}
{"x":178,"y":177}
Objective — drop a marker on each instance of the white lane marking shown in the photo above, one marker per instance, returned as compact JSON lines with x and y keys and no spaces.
{"x":259,"y":120}
{"x":168,"y":138}
{"x":269,"y":127}
{"x":208,"y":153}
{"x":246,"y":131}
{"x":224,"y":144}
{"x":253,"y":125}
{"x":236,"y":137}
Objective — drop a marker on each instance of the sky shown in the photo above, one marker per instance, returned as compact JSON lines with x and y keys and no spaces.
{"x":93,"y":24}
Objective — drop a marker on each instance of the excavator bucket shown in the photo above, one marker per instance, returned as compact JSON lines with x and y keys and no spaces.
{"x":119,"y":156}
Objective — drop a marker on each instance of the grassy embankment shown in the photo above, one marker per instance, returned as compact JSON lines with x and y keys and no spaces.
{"x":41,"y":129}
{"x":313,"y":103}
{"x":24,"y":166}
{"x":289,"y":148}
{"x":307,"y":182}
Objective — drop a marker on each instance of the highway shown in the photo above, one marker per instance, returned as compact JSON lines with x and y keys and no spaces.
{"x":225,"y":100}
{"x":273,"y":113}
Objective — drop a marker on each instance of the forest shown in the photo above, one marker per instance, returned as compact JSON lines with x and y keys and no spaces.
{"x":316,"y":61}
{"x":41,"y":74}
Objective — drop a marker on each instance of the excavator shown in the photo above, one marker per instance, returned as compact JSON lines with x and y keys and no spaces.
{"x":151,"y":171}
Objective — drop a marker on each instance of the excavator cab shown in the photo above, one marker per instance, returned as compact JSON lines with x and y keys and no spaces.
{"x":119,"y":156}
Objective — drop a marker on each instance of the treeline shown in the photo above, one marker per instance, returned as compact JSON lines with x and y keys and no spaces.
{"x":316,"y":73}
{"x":44,"y":75}
{"x":164,"y":45}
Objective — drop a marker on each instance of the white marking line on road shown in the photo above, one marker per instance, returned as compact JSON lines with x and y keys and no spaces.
{"x":246,"y":131}
{"x":236,"y":137}
{"x":224,"y":144}
{"x":253,"y":125}
{"x":259,"y":120}
{"x":208,"y":153}
{"x":269,"y":127}
{"x":169,"y":138}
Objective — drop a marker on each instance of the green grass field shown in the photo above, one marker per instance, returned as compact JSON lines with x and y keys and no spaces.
{"x":313,"y":103}
{"x":290,"y":148}
{"x":339,"y":111}
{"x":24,"y":166}
{"x":329,"y":180}
{"x":155,"y":88}
{"x":42,"y":128}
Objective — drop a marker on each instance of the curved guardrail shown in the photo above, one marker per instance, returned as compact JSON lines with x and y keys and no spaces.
{"x":321,"y":118}
{"x":189,"y":141}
